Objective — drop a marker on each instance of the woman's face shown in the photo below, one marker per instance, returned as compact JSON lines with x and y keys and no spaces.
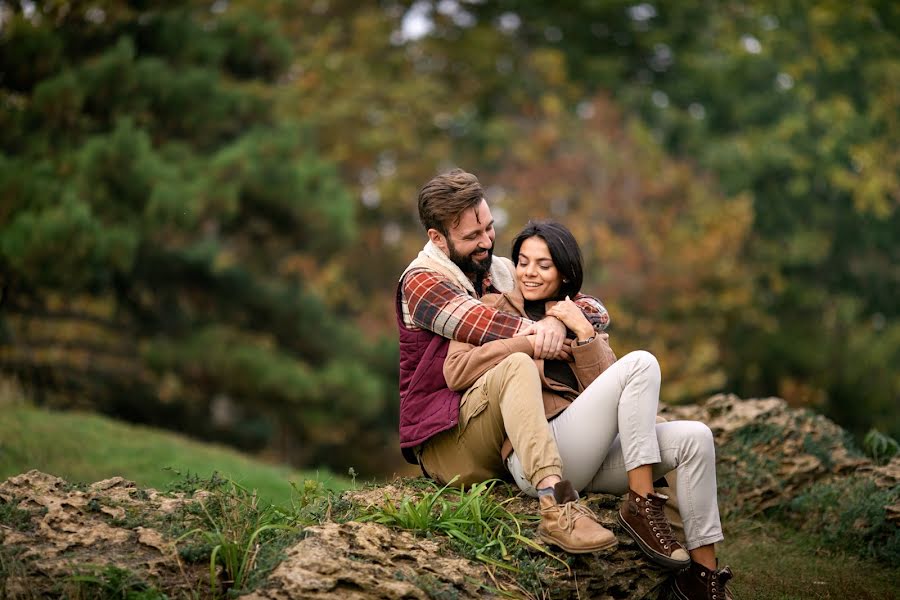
{"x":538,"y":277}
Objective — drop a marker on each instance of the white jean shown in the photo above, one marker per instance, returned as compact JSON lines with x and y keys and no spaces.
{"x":611,"y":429}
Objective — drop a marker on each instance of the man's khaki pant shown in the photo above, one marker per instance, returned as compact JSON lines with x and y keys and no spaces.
{"x":504,"y":402}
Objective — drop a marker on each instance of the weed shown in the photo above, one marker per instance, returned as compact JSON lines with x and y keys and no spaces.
{"x":753,"y":434}
{"x":108,"y":583}
{"x":14,"y":517}
{"x":13,"y":572}
{"x":849,"y":516}
{"x":881,"y":448}
{"x":478,"y":524}
{"x":133,"y":518}
{"x":234,"y":528}
{"x":188,"y":483}
{"x":311,"y":503}
{"x":820,"y":449}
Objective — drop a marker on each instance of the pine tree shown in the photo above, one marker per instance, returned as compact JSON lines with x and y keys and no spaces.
{"x":164,"y":231}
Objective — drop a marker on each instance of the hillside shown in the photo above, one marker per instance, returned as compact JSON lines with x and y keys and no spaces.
{"x":790,"y":486}
{"x":82,"y":447}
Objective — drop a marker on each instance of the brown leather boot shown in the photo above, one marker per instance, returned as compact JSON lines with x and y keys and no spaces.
{"x":570,"y":525}
{"x":645,"y":521}
{"x":699,"y":583}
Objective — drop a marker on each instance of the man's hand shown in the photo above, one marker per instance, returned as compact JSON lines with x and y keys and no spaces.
{"x":549,"y":336}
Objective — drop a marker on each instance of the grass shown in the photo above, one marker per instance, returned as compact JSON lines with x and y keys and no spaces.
{"x":479,"y":526}
{"x":108,"y":583}
{"x":773,"y":562}
{"x":83,"y":448}
{"x":234,"y":528}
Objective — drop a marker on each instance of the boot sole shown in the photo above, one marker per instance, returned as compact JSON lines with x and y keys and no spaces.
{"x":677,"y":593}
{"x":608,"y":546}
{"x":654,"y":556}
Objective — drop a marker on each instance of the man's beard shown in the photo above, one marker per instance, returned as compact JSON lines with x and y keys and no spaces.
{"x":476,"y":268}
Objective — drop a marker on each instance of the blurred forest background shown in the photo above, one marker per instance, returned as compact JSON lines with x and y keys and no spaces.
{"x":205,"y":206}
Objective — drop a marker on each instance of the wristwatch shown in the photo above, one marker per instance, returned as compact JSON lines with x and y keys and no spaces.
{"x":585,"y":342}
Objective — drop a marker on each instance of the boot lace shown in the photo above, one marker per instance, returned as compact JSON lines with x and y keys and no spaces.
{"x":660,"y":524}
{"x":717,"y":581}
{"x":571,"y":512}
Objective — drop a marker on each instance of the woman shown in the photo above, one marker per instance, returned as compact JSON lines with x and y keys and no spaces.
{"x":602,"y":413}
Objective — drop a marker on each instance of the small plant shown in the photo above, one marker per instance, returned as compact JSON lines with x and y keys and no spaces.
{"x":13,"y":566}
{"x":850,"y":515}
{"x":879,"y":447}
{"x":188,"y":483}
{"x":234,"y":527}
{"x":479,"y":525}
{"x":14,"y":517}
{"x":109,"y":583}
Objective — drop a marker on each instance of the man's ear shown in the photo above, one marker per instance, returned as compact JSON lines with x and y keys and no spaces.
{"x":439,"y":239}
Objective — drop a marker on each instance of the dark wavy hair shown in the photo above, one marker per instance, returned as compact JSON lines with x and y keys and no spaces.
{"x":444,"y":199}
{"x":564,"y":250}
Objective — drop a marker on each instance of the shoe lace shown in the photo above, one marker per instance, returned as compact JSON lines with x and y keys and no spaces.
{"x":717,"y":582}
{"x":571,"y":512}
{"x":660,"y":524}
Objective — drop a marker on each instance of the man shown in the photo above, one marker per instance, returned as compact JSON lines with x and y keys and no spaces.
{"x":460,"y":436}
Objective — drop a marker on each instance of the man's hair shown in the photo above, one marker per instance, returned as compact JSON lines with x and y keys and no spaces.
{"x":564,"y":251}
{"x":443,"y":200}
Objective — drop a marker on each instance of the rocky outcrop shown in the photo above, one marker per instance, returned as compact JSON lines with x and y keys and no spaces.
{"x":773,"y":461}
{"x":55,"y":533}
{"x":366,"y":561}
{"x":770,"y":454}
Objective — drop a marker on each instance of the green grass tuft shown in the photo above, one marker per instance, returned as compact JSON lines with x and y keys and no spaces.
{"x":849,"y":515}
{"x":479,"y":526}
{"x":108,"y":583}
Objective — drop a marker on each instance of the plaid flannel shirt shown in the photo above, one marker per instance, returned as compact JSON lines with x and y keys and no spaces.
{"x":431,"y":301}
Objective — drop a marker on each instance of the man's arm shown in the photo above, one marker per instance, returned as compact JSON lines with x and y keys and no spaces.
{"x":436,"y":304}
{"x":594,"y":310}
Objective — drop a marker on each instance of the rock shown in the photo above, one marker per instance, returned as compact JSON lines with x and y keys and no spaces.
{"x":769,"y":452}
{"x":81,"y":531}
{"x":367,"y":561}
{"x":770,"y":457}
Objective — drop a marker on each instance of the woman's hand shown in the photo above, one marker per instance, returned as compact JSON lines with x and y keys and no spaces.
{"x":572,"y":317}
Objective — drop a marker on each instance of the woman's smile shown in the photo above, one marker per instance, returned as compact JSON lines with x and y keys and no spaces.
{"x":539,"y":279}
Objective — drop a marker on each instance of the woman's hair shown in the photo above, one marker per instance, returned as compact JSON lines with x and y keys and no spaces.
{"x":443,"y":200}
{"x":564,"y":251}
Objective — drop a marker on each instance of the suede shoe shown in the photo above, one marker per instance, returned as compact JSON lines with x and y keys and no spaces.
{"x":699,"y":583}
{"x":570,"y":525}
{"x":644,"y":520}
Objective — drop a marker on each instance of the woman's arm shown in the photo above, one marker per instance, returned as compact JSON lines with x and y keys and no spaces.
{"x":465,"y":363}
{"x":592,"y":358}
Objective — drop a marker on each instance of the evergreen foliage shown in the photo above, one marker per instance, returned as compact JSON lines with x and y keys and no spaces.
{"x":163,"y":233}
{"x":205,"y":206}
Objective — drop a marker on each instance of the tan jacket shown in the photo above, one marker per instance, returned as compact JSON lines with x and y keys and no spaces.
{"x":466,"y":363}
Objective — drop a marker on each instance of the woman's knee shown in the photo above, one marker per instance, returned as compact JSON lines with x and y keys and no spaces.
{"x":644,"y":362}
{"x":700,"y":436}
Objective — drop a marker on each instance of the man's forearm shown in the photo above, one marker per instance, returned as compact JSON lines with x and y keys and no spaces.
{"x":437,"y":305}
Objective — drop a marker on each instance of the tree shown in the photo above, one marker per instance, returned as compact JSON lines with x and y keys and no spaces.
{"x":794,"y":104}
{"x":163,"y":234}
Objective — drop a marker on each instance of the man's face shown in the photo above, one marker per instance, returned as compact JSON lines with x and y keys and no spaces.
{"x":470,"y":244}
